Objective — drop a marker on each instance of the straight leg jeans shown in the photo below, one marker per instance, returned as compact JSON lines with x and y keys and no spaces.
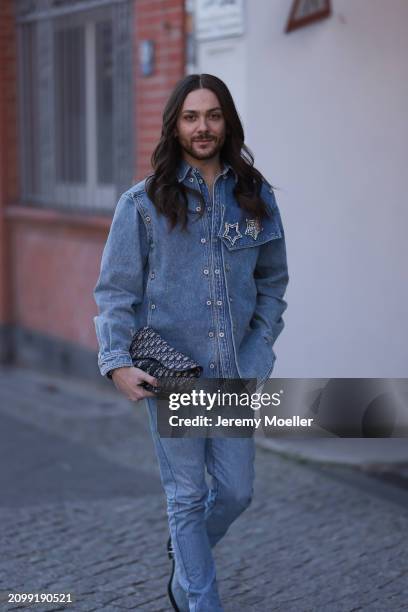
{"x":200,"y":516}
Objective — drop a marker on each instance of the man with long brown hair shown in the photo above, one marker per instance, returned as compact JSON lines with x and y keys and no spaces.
{"x":196,"y":251}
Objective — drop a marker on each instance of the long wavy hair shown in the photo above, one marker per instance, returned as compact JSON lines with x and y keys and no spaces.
{"x":163,"y":188}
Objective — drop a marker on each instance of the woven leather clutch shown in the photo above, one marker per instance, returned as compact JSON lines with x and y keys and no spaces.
{"x":173,"y":370}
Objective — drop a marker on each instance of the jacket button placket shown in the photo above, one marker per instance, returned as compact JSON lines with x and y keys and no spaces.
{"x":223,"y":331}
{"x":205,"y":241}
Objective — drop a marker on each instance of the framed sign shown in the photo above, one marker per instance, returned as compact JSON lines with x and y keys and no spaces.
{"x":305,"y":12}
{"x":219,"y":19}
{"x":146,"y":55}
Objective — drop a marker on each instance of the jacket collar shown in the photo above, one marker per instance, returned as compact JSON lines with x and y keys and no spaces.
{"x":184,"y":169}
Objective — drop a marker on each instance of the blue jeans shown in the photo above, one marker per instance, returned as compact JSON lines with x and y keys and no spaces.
{"x":198,"y":516}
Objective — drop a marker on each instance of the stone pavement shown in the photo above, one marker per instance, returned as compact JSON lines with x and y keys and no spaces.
{"x":82,"y":512}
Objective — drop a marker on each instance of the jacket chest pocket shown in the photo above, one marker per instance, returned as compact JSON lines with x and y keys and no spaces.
{"x":240,"y":232}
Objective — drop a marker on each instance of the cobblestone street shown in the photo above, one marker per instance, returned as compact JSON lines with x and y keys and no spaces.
{"x":82,"y":512}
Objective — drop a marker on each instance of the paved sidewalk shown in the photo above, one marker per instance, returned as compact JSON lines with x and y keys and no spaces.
{"x":82,"y":512}
{"x":339,"y":405}
{"x":365,"y":453}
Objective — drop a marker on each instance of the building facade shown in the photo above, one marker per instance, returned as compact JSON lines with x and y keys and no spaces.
{"x":82,"y":88}
{"x":325,"y":113}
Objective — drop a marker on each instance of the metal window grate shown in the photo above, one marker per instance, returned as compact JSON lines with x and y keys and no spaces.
{"x":76,"y":103}
{"x":70,"y":109}
{"x":104,"y":101}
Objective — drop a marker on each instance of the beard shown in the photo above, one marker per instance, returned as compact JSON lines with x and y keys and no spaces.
{"x":207,"y":151}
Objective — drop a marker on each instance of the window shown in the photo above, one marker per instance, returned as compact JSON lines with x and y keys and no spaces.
{"x":75,"y":102}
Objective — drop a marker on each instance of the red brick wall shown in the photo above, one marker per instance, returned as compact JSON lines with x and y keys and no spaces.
{"x":163,"y":22}
{"x":55,"y":263}
{"x":8,"y":93}
{"x":8,"y":146}
{"x":49,"y":262}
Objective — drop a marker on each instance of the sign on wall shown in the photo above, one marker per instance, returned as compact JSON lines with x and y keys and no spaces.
{"x":146,"y":57}
{"x":305,"y":12}
{"x":219,"y":19}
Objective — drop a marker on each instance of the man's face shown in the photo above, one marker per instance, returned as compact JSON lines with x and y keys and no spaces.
{"x":201,"y":125}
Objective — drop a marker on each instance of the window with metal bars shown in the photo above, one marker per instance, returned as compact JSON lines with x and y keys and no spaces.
{"x":76,"y":103}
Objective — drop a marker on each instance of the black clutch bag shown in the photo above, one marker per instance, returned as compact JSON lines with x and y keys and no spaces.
{"x":174,"y":370}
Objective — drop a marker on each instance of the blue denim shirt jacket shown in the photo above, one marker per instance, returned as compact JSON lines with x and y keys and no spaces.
{"x":214,"y":292}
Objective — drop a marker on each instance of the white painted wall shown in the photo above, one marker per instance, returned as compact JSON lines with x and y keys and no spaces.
{"x":325,"y":110}
{"x":227,"y":59}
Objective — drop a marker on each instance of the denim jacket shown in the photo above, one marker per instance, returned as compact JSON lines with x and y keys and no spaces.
{"x":214,"y":292}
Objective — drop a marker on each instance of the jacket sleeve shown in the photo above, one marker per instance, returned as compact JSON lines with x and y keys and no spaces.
{"x":271,"y":278}
{"x":120,"y":285}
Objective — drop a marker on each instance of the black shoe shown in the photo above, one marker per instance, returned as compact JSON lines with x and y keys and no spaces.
{"x":170,"y":553}
{"x":170,"y":549}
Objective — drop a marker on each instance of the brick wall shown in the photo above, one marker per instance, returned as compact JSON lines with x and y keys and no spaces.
{"x":49,"y":260}
{"x":163,"y":22}
{"x":8,"y":145}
